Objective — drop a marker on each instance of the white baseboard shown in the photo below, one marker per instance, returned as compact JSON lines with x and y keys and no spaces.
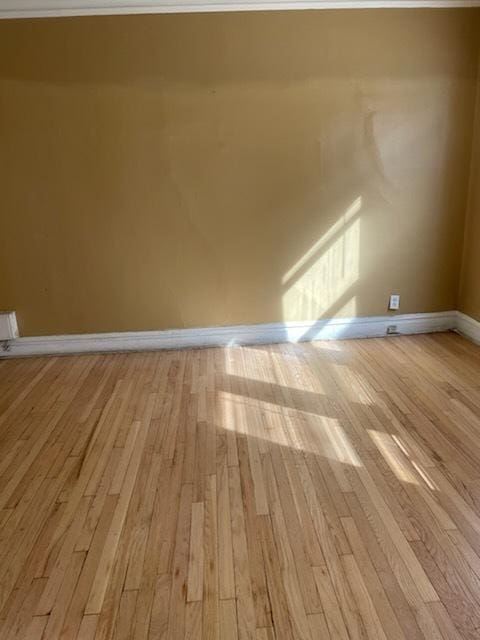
{"x":334,"y":329}
{"x":468,"y":327}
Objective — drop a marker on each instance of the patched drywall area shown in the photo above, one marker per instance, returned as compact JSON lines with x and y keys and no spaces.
{"x":195,"y":170}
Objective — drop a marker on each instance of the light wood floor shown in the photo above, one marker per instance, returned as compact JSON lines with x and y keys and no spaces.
{"x":314,"y":491}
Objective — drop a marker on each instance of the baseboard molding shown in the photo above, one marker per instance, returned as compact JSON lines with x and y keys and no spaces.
{"x":334,"y":329}
{"x":468,"y":327}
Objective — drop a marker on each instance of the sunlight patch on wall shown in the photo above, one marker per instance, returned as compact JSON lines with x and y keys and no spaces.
{"x":326,"y":271}
{"x":348,"y":310}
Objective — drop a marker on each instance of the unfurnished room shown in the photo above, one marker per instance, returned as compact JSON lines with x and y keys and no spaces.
{"x":239,"y":319}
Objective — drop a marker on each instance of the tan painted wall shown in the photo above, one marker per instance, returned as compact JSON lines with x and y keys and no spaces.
{"x":197,"y":170}
{"x":469,"y":299}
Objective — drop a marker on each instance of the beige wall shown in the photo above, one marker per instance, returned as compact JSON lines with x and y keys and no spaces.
{"x":469,"y":298}
{"x":197,"y":170}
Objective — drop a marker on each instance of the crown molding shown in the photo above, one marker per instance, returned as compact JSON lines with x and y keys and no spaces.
{"x":59,"y":8}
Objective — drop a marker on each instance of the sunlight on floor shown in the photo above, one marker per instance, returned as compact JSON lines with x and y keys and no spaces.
{"x":428,"y":481}
{"x":399,"y":460}
{"x":262,"y":371}
{"x":301,"y":387}
{"x":299,"y":430}
{"x":344,"y":451}
{"x":421,"y":472}
{"x":393,"y":456}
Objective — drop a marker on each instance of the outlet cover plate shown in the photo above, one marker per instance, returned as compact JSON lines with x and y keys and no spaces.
{"x":8,"y":325}
{"x":394,"y":302}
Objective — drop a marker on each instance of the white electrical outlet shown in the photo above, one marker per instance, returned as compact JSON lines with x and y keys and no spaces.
{"x":8,"y":325}
{"x":394,"y":303}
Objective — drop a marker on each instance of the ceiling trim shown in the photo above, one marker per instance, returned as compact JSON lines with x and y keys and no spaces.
{"x":58,"y":8}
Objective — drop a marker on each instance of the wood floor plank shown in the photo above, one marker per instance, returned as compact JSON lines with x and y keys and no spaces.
{"x":196,"y":561}
{"x":228,"y":620}
{"x":317,"y":490}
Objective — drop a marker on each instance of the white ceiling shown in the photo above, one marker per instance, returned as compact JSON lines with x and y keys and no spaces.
{"x":48,"y":8}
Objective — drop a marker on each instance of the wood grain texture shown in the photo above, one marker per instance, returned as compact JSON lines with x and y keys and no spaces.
{"x":323,"y":490}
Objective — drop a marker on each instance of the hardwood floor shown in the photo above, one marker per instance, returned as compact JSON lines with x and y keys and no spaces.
{"x":315,"y":491}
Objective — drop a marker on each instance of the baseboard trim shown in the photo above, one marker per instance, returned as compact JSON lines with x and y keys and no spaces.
{"x":468,"y":327}
{"x":334,"y":329}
